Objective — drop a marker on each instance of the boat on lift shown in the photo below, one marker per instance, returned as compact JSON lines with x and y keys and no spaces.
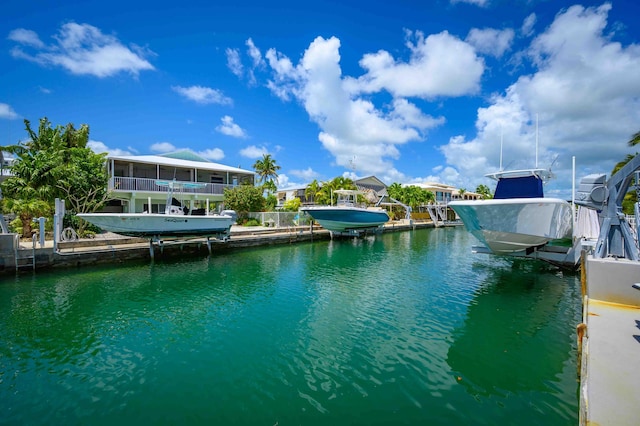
{"x":174,"y":222}
{"x":519,"y":217}
{"x":347,"y":216}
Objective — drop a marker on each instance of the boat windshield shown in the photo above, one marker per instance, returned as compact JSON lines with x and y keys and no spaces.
{"x":519,"y":187}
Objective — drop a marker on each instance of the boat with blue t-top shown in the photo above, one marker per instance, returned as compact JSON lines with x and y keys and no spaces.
{"x":519,"y":217}
{"x":348,"y":216}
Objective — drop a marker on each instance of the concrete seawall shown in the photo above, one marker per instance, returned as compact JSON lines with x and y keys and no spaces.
{"x":114,"y":249}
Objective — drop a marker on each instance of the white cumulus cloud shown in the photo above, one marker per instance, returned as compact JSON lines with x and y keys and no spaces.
{"x":350,"y":124}
{"x":229,"y":128}
{"x":81,"y":49}
{"x":215,"y":154}
{"x":203,"y":95}
{"x":253,"y":151}
{"x":491,"y":41}
{"x":100,"y":147}
{"x":7,"y":112}
{"x":583,"y":108}
{"x":163,"y":147}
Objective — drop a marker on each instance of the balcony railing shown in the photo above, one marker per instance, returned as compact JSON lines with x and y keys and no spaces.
{"x":127,"y":184}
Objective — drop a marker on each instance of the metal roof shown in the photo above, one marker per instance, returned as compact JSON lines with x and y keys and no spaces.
{"x":178,"y":162}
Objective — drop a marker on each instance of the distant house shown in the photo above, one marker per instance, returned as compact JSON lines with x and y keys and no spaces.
{"x":6,"y":161}
{"x":371,"y":185}
{"x":133,"y":180}
{"x":466,"y":195}
{"x":446,"y":193}
{"x":288,"y":194}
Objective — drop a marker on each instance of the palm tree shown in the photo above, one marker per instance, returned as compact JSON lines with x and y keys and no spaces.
{"x":631,"y":197}
{"x":26,"y":209}
{"x":484,"y":191}
{"x":267,"y":169}
{"x":312,"y":189}
{"x":324,"y":195}
{"x":395,"y":190}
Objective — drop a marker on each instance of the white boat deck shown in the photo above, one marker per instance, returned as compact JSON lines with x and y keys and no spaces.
{"x":610,"y":371}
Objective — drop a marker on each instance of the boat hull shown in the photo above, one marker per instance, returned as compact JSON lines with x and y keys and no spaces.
{"x":153,"y":224}
{"x":516,"y":224}
{"x":345,"y":219}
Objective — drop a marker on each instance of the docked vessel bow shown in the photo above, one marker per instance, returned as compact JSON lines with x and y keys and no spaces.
{"x":519,"y":217}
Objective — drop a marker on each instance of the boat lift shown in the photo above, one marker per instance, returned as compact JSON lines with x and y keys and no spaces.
{"x":616,"y":239}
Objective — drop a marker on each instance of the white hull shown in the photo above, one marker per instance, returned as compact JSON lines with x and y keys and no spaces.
{"x":516,"y":224}
{"x":345,"y":219}
{"x":154,"y":224}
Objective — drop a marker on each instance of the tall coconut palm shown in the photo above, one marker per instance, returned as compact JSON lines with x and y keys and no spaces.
{"x":267,"y":169}
{"x":635,"y":139}
{"x":324,"y":195}
{"x":311,"y":190}
{"x":395,"y":190}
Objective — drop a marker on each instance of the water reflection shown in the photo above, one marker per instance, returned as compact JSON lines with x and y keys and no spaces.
{"x":514,"y":328}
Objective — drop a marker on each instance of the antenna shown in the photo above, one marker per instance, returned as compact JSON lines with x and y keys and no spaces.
{"x":352,"y":162}
{"x":501,"y":147}
{"x":536,"y":140}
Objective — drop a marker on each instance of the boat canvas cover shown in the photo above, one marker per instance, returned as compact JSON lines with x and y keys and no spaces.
{"x":519,"y":187}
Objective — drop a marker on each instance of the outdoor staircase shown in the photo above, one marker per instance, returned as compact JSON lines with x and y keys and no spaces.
{"x":3,"y":225}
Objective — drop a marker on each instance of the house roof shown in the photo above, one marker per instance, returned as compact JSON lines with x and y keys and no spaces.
{"x":433,"y":186}
{"x":165,"y":160}
{"x":185,"y":155}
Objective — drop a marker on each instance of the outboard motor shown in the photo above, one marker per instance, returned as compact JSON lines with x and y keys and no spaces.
{"x":592,"y":192}
{"x":231,"y":213}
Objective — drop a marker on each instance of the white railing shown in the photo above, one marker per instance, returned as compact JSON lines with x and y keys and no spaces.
{"x":280,"y":219}
{"x":129,"y":184}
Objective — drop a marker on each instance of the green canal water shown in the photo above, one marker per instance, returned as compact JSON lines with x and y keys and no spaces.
{"x":401,"y":328}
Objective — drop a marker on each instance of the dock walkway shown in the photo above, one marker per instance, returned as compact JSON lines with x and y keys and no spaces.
{"x":610,"y":368}
{"x":113,"y":248}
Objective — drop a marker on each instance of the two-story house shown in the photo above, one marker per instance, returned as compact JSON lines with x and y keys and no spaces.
{"x":134,"y":181}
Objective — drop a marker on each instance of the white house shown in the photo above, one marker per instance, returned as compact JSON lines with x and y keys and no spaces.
{"x":133,"y":180}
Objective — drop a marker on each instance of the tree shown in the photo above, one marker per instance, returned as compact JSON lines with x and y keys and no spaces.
{"x":26,"y":210}
{"x":630,"y":197}
{"x":267,"y":170}
{"x":461,"y":192}
{"x":484,"y":191}
{"x":292,"y":205}
{"x":85,"y":185}
{"x":312,"y":189}
{"x":324,"y":195}
{"x":244,"y":199}
{"x":395,"y":191}
{"x":411,"y":195}
{"x":55,"y":163}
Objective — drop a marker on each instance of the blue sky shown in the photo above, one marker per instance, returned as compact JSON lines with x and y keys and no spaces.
{"x":407,"y":91}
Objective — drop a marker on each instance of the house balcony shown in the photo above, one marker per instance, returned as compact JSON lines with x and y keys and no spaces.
{"x":143,"y":185}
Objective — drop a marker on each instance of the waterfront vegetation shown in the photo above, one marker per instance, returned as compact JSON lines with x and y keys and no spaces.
{"x":631,"y":198}
{"x":55,"y":162}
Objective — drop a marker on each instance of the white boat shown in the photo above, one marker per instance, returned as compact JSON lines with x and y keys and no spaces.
{"x":519,"y":217}
{"x":346,"y":216}
{"x":173,"y":222}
